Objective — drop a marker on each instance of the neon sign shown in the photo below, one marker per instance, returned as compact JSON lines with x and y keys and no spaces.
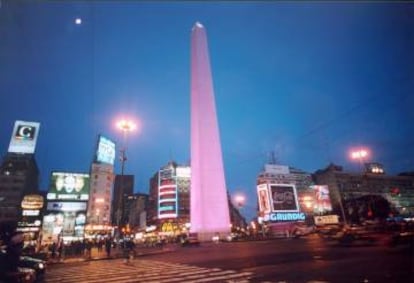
{"x":285,"y":216}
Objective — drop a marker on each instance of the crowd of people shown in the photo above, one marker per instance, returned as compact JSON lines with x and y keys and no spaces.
{"x":59,"y":250}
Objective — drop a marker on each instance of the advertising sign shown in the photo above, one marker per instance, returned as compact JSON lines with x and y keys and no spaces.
{"x":323,"y":201}
{"x":183,"y":172}
{"x":263,"y":196}
{"x":32,"y":202}
{"x":326,"y":219}
{"x":276,"y":169}
{"x":24,"y":137}
{"x":285,"y":216}
{"x":167,"y":194}
{"x":69,"y":186}
{"x":105,"y":152}
{"x":66,"y":206}
{"x":284,"y":198}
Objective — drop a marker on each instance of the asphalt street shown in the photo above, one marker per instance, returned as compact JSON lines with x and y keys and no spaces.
{"x":308,"y":259}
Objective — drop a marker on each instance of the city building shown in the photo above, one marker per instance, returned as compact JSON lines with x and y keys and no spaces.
{"x":305,"y":189}
{"x":209,"y":205}
{"x":123,"y":187}
{"x":19,"y":176}
{"x":282,"y":174}
{"x":286,"y":195}
{"x":98,"y":217}
{"x":135,"y":209}
{"x":343,"y":186}
{"x":169,"y":199}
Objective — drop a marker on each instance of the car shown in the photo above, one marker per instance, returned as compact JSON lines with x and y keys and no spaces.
{"x":302,"y":230}
{"x":38,"y":265}
{"x":21,"y":275}
{"x":190,"y":240}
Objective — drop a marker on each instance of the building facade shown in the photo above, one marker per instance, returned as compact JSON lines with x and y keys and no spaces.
{"x":169,"y":198}
{"x":19,"y":176}
{"x":123,"y":187}
{"x":135,"y":211}
{"x":343,"y":186}
{"x":99,"y":205}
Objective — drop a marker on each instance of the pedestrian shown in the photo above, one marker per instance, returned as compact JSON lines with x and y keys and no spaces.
{"x":108,"y":246}
{"x":53,"y":249}
{"x":88,"y":249}
{"x":128,"y":251}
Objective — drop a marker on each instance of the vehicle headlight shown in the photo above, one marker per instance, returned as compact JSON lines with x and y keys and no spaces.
{"x":41,"y":265}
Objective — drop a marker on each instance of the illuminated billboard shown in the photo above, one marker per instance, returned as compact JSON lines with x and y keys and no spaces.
{"x":69,"y":186}
{"x":66,"y":206}
{"x":167,"y":194}
{"x":24,"y":137}
{"x":32,"y":202}
{"x":263,"y":197}
{"x":322,"y":198}
{"x":284,"y":198}
{"x":105,"y":152}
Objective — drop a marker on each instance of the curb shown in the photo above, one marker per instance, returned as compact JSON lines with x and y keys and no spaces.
{"x":80,"y":259}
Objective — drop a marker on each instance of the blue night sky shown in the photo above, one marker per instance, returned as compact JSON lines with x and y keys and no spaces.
{"x":308,"y":81}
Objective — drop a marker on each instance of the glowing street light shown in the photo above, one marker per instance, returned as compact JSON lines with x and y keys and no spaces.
{"x":240,"y":200}
{"x":360,"y":155}
{"x":126,"y":125}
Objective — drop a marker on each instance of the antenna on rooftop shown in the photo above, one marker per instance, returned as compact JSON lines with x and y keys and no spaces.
{"x":272,"y":158}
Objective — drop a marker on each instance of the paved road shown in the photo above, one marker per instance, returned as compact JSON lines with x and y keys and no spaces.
{"x":139,"y":270}
{"x":310,"y":259}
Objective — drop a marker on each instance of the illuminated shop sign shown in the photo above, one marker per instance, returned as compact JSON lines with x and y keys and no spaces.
{"x":284,"y":198}
{"x":106,"y":151}
{"x":69,"y":186}
{"x":285,"y":216}
{"x":32,"y":202}
{"x":30,"y":212}
{"x":66,"y":206}
{"x":24,"y":137}
{"x":326,"y":219}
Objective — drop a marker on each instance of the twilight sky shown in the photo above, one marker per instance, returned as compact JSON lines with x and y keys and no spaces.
{"x":308,"y":81}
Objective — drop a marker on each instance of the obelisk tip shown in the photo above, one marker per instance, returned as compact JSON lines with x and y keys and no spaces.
{"x":198,"y":25}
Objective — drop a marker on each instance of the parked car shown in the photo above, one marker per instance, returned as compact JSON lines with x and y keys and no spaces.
{"x":36,"y":264}
{"x":19,"y":273}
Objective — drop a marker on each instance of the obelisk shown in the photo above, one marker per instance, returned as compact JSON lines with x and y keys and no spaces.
{"x":209,"y":212}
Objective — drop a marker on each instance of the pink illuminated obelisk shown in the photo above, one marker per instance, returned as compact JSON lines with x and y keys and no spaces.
{"x":209,"y":203}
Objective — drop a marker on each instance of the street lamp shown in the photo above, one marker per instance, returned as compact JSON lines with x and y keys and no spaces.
{"x":239,"y":200}
{"x":125,"y":126}
{"x":359,"y":154}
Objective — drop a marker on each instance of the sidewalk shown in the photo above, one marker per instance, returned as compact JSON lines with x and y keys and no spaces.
{"x":115,"y":254}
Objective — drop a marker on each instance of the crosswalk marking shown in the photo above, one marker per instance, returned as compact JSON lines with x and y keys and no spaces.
{"x":140,"y":271}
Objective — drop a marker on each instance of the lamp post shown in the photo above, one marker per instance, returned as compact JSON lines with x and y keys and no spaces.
{"x":360,"y":155}
{"x":125,"y":126}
